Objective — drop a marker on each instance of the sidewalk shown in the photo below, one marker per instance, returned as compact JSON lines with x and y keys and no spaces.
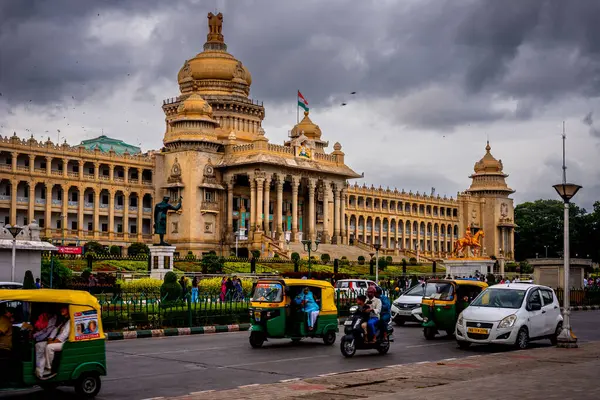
{"x":542,"y":373}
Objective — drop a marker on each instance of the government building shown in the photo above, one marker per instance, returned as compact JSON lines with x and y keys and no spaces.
{"x":238,"y":191}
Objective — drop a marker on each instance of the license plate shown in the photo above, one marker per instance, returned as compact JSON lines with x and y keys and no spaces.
{"x":405,"y":312}
{"x":257,"y":316}
{"x":347,"y":323}
{"x":482,"y":331}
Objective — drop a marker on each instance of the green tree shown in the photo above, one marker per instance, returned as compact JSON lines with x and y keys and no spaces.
{"x":361,"y":260}
{"x":212,"y":264}
{"x":325,"y":258}
{"x":61,"y":275}
{"x":170,"y":290}
{"x":137,"y":248}
{"x":95,"y":247}
{"x":295,"y":257}
{"x":382,"y":263}
{"x":115,"y":250}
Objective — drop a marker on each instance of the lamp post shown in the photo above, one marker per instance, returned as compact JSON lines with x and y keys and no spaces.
{"x":14,"y":231}
{"x":308,"y":246}
{"x":566,"y":191}
{"x":546,"y":247}
{"x":377,"y":247}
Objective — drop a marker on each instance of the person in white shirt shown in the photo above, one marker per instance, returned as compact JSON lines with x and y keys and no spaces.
{"x":45,"y":350}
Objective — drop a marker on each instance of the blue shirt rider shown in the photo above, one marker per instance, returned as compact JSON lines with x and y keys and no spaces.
{"x":386,"y":307}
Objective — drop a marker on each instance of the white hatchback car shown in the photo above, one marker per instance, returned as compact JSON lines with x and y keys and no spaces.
{"x":513,"y":313}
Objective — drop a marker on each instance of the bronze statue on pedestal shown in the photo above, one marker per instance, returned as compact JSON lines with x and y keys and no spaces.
{"x":160,"y":218}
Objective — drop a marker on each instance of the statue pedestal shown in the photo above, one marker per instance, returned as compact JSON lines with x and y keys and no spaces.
{"x":161,"y":261}
{"x":465,"y":267}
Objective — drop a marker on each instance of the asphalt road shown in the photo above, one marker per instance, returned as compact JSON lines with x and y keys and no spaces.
{"x":172,"y":366}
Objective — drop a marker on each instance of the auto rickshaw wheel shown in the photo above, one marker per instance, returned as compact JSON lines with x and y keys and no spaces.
{"x":329,"y":338}
{"x":256,"y":340}
{"x":429,"y":333}
{"x":88,"y":385}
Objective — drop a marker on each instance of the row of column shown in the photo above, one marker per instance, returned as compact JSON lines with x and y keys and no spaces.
{"x":80,"y":212}
{"x":80,"y":173}
{"x":403,"y":235}
{"x":260,"y":192}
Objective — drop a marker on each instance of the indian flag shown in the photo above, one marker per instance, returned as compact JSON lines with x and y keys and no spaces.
{"x":302,"y":101}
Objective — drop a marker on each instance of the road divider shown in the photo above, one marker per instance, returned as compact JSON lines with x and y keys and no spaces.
{"x":198,"y":330}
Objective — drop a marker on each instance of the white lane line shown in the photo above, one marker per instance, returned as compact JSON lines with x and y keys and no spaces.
{"x":361,"y":370}
{"x":202,"y":392}
{"x":423,"y":362}
{"x":449,"y":359}
{"x":154,"y":398}
{"x":330,"y":374}
{"x":426,"y":345}
{"x":273,"y":361}
{"x":290,"y":380}
{"x":247,"y":386}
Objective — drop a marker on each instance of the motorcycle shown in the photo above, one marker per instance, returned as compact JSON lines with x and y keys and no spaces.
{"x":354,"y":336}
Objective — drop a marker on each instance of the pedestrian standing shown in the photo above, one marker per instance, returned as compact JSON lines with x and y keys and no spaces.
{"x":195,"y":290}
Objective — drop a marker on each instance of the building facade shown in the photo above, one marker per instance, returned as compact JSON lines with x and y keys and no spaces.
{"x":235,"y":186}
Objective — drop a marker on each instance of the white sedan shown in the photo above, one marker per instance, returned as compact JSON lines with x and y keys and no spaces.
{"x":513,"y":313}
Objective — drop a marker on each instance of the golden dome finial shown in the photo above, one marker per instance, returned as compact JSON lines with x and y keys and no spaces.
{"x":488,"y":147}
{"x":306,"y":113}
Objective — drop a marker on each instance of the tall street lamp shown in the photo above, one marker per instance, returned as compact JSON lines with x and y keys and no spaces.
{"x":14,"y":231}
{"x":546,"y":247}
{"x":377,"y":247}
{"x":308,"y":246}
{"x":566,"y":191}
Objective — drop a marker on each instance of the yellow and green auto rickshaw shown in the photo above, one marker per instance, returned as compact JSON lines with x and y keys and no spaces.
{"x":282,"y":308}
{"x":444,"y":300}
{"x":82,"y":359}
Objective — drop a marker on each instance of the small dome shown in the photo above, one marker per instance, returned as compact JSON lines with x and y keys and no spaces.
{"x":337,"y":146}
{"x":307,"y":127}
{"x":194,"y":107}
{"x":488,"y":163}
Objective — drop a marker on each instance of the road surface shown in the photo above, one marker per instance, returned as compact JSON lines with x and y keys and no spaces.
{"x":173,"y":366}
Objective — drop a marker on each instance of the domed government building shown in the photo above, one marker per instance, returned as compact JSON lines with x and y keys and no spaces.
{"x":237,"y":186}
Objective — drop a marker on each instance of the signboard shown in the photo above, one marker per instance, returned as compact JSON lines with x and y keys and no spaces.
{"x":86,"y":325}
{"x":69,"y":250}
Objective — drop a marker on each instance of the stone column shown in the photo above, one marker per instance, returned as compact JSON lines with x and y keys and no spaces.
{"x":252,"y":204}
{"x":48,"y":165}
{"x":81,"y":164}
{"x":96,"y":211}
{"x":13,"y":161}
{"x":31,"y":163}
{"x":126,"y":176}
{"x":388,"y":236}
{"x":343,"y":198}
{"x":111,"y":214}
{"x":65,"y":209}
{"x":336,"y":214}
{"x":31,"y":204}
{"x":266,"y":206}
{"x":80,"y":214}
{"x":111,"y":172}
{"x":65,"y":163}
{"x":311,"y":209}
{"x":125,"y":216}
{"x":48,"y":214}
{"x":13,"y":200}
{"x":230,"y":183}
{"x":295,"y":185}
{"x":96,"y":173}
{"x":279,"y":212}
{"x":260,"y":181}
{"x":325,"y":234}
{"x":140,"y":216}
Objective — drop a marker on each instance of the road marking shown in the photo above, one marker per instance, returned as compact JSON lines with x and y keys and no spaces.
{"x":426,"y":345}
{"x":361,"y":370}
{"x":290,"y":380}
{"x":273,"y":361}
{"x":423,"y":362}
{"x":154,"y":398}
{"x":202,"y":392}
{"x":247,"y":386}
{"x":449,"y":359}
{"x":330,"y":374}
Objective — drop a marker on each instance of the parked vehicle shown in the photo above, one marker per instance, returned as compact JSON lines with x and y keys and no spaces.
{"x":407,"y":307}
{"x":354,"y":337}
{"x":445,"y":299}
{"x":275,"y":313}
{"x":82,"y":359}
{"x":11,"y":285}
{"x":353,"y":286}
{"x":514,"y":314}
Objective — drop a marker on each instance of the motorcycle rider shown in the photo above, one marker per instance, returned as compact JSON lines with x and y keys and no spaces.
{"x":385,"y":311}
{"x":374,"y":309}
{"x":364,"y":315}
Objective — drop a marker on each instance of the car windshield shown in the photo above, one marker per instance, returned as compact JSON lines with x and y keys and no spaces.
{"x":439,"y":290}
{"x":500,"y":298}
{"x":268,"y":292}
{"x":416,"y":290}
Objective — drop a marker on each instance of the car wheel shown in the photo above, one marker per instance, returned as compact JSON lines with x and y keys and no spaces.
{"x":88,"y":386}
{"x":463,"y":345}
{"x":522,"y":341}
{"x":329,"y":338}
{"x":554,"y":338}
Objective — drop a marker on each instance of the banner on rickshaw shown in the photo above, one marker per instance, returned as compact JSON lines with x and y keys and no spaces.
{"x":86,"y":325}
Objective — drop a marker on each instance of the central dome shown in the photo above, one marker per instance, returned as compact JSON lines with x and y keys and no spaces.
{"x":215,"y":71}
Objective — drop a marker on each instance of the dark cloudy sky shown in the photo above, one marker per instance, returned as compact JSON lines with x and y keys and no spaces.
{"x":434,"y":79}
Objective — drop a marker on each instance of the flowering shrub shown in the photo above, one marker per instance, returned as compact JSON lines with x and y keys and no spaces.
{"x":211,"y":286}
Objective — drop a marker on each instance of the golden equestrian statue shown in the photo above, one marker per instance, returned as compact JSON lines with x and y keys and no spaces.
{"x":469,"y":241}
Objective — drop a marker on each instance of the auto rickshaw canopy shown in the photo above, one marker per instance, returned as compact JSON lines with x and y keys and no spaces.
{"x":70,"y":297}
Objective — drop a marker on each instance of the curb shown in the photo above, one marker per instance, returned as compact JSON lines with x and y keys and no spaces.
{"x":582,"y":308}
{"x":197,"y":330}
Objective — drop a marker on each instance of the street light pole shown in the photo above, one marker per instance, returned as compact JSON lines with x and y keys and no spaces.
{"x":14,"y":231}
{"x":567,"y":191}
{"x":377,"y":247}
{"x":546,"y":247}
{"x":308,"y":247}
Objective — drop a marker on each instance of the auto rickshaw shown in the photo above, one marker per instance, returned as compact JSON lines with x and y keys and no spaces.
{"x":277,"y":311}
{"x":82,"y":359}
{"x":444,"y":300}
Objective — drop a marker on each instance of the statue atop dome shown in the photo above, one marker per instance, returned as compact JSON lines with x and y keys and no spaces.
{"x":215,"y":27}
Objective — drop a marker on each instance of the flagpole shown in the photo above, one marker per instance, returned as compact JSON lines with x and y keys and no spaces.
{"x":297,"y":108}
